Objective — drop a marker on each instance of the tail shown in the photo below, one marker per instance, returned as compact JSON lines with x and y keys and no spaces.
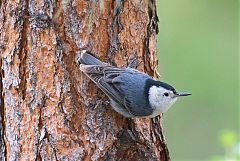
{"x":87,"y":58}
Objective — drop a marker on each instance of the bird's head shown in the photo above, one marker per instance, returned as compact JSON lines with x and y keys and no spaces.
{"x":162,"y":96}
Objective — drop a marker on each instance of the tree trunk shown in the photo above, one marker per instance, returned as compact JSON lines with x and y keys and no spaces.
{"x":49,"y":110}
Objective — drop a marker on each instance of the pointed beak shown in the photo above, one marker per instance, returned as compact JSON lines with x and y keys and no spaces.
{"x":182,"y":94}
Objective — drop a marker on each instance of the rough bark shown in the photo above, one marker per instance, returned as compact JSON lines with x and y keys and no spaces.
{"x":49,"y":110}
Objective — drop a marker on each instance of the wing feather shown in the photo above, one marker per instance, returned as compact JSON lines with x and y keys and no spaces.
{"x":103,"y":76}
{"x":107,"y":79}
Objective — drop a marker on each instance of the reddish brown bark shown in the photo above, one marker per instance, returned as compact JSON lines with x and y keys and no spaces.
{"x":52,"y":111}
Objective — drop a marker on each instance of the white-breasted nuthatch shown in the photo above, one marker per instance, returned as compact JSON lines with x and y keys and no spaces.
{"x":132,"y":93}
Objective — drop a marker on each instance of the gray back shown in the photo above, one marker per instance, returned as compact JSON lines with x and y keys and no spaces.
{"x":131,"y":85}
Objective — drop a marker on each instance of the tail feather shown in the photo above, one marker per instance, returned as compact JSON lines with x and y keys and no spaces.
{"x":85,"y":57}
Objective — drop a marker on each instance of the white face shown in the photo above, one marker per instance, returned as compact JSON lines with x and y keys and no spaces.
{"x":161,"y":99}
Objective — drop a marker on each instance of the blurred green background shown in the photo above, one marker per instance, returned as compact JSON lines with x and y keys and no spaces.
{"x":198,"y":53}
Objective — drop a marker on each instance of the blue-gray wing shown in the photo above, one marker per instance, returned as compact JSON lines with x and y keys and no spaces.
{"x":123,"y":85}
{"x":102,"y":77}
{"x":132,"y":87}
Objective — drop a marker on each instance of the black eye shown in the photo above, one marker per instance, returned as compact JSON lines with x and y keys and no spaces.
{"x":166,"y":94}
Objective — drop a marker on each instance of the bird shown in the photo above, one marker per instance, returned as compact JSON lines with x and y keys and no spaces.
{"x":132,"y":93}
